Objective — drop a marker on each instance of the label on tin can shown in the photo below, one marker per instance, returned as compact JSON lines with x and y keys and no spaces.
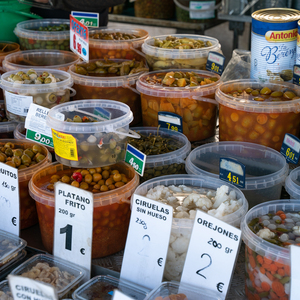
{"x":273,"y":50}
{"x":298,"y":46}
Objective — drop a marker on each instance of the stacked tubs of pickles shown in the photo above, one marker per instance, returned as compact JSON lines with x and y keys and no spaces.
{"x":187,"y":94}
{"x":116,"y":43}
{"x":110,"y":79}
{"x":166,"y":151}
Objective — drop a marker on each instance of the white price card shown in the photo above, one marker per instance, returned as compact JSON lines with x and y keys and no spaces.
{"x":120,"y":296}
{"x":26,"y":288}
{"x":9,"y":199}
{"x":147,"y":242}
{"x":17,"y":104}
{"x":212,"y":253}
{"x":295,"y":273}
{"x":205,"y":9}
{"x":73,"y":224}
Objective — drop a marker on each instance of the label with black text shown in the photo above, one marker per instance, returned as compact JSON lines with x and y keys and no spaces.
{"x":147,"y":242}
{"x":212,"y":253}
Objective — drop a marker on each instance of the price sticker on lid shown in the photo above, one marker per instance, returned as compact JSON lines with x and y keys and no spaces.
{"x":89,"y":19}
{"x":215,"y":62}
{"x":290,"y":148}
{"x":136,"y":159}
{"x":232,"y":171}
{"x":169,"y":121}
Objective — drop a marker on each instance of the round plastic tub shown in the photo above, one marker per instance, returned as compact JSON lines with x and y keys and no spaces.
{"x":258,"y":251}
{"x":51,"y":59}
{"x":89,"y":144}
{"x":260,"y":122}
{"x":195,"y":105}
{"x":18,"y":97}
{"x":111,"y":209}
{"x":6,"y":49}
{"x":119,"y":88}
{"x":292,"y":184}
{"x":265,"y":168}
{"x":28,"y":213}
{"x":31,"y":38}
{"x":6,"y":128}
{"x":163,"y":58}
{"x":182,"y":227}
{"x":168,"y":163}
{"x":116,"y":49}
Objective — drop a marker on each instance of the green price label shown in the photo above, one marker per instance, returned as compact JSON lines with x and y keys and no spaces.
{"x":86,"y":18}
{"x":39,"y":138}
{"x":136,"y":159}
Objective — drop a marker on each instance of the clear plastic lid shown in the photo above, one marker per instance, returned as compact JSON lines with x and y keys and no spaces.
{"x":118,"y":44}
{"x":265,"y":167}
{"x":149,"y":49}
{"x":97,"y":81}
{"x":102,"y":287}
{"x":292,"y":183}
{"x":168,"y":158}
{"x":75,"y":271}
{"x":121,"y":116}
{"x":166,"y":289}
{"x":29,"y":29}
{"x":18,"y":131}
{"x":52,"y":59}
{"x":178,"y":92}
{"x":10,"y":246}
{"x":118,"y":195}
{"x":257,"y":106}
{"x":32,"y":89}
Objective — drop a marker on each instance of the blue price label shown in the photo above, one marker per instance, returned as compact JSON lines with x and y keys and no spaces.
{"x":296,"y":75}
{"x":232,"y":171}
{"x":136,"y":159}
{"x":290,"y":148}
{"x":99,"y":111}
{"x":169,"y":121}
{"x":215,"y":62}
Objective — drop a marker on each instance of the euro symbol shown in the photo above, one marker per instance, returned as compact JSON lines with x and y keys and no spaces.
{"x":14,"y":221}
{"x":220,"y":286}
{"x":159,"y":261}
{"x":82,"y":251}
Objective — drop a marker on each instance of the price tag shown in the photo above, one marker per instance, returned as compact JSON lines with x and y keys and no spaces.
{"x":147,"y":242}
{"x":120,"y":296}
{"x":212,"y":253}
{"x":73,"y":224}
{"x":215,"y":62}
{"x":170,"y":121}
{"x":37,"y":129}
{"x":9,"y":199}
{"x":17,"y":104}
{"x":295,"y":274}
{"x":206,"y":9}
{"x":79,"y":39}
{"x":232,"y":171}
{"x":26,"y":288}
{"x":136,"y":159}
{"x":88,"y":19}
{"x":296,"y":74}
{"x":290,"y":148}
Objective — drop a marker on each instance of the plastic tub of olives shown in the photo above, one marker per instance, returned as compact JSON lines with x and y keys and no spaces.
{"x":93,"y":133}
{"x":179,"y":51}
{"x":45,"y":87}
{"x":172,"y":148}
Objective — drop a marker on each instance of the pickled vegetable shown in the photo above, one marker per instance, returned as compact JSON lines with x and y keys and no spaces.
{"x":172,"y":42}
{"x":31,"y":77}
{"x":119,"y":36}
{"x":60,"y":27}
{"x":84,"y":119}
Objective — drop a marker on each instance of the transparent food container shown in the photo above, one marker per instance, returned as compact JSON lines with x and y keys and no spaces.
{"x":116,"y":49}
{"x":292,"y":184}
{"x":167,"y":163}
{"x":182,"y":227}
{"x":111,"y":209}
{"x":31,"y":38}
{"x":265,"y":123}
{"x":118,"y":88}
{"x":259,"y":252}
{"x":103,"y":286}
{"x":65,"y":279}
{"x":265,"y":168}
{"x":18,"y":97}
{"x":163,"y":58}
{"x":28,"y":213}
{"x":6,"y":128}
{"x":7,"y":48}
{"x":90,"y":144}
{"x":51,"y":59}
{"x":5,"y":292}
{"x":195,"y":105}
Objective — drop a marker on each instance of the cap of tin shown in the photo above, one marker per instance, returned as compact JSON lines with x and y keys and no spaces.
{"x":276,"y":15}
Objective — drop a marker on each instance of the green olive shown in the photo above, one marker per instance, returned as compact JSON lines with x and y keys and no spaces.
{"x":2,"y":157}
{"x":36,"y":148}
{"x":11,"y":163}
{"x":265,"y":91}
{"x":289,"y":95}
{"x":276,"y":94}
{"x":9,"y":152}
{"x":248,"y":90}
{"x":9,"y":145}
{"x":255,"y":93}
{"x":26,"y":160}
{"x":18,"y":152}
{"x":39,"y":157}
{"x":29,"y":152}
{"x":16,"y":160}
{"x":77,"y":119}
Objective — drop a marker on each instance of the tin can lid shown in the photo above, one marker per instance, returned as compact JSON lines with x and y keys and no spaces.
{"x":276,"y":15}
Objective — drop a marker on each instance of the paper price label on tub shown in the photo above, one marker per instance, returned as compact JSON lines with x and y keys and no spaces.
{"x":147,"y":242}
{"x":232,"y":171}
{"x":296,"y":74}
{"x":26,"y":288}
{"x":290,"y":148}
{"x":17,"y":104}
{"x":169,"y":121}
{"x":79,"y":39}
{"x":295,"y":274}
{"x":212,"y":253}
{"x":73,"y":224}
{"x":117,"y":295}
{"x":215,"y":62}
{"x":9,"y":199}
{"x":136,"y":159}
{"x":88,"y":19}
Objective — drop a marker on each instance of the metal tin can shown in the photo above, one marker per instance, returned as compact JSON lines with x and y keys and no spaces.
{"x":274,"y":43}
{"x":298,"y":45}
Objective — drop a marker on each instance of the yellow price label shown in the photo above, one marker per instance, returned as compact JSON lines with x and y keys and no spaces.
{"x":290,"y":154}
{"x":233,"y":178}
{"x":214,"y":67}
{"x":172,"y":127}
